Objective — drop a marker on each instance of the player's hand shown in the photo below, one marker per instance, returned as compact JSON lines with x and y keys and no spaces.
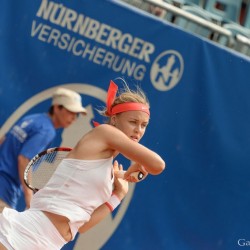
{"x":135,"y":168}
{"x":121,"y":186}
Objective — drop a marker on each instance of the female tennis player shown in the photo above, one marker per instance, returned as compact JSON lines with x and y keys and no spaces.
{"x":80,"y":194}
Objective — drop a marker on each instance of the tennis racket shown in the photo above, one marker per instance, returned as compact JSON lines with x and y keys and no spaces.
{"x":42,"y":166}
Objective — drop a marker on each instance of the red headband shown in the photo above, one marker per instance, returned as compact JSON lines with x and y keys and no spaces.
{"x":113,"y":88}
{"x":129,"y":106}
{"x":123,"y":107}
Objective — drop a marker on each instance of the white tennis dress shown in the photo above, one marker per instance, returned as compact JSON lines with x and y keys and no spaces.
{"x":75,"y":190}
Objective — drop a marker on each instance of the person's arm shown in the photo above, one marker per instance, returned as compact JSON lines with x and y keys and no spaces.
{"x":134,"y":151}
{"x":98,"y":215}
{"x":2,"y":140}
{"x":134,"y":167}
{"x":28,"y":193}
{"x":120,"y":190}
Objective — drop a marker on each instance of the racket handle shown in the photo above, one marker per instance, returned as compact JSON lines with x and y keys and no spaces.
{"x":139,"y":176}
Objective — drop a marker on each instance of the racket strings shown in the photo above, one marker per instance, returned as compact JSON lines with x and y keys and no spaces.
{"x":44,"y":167}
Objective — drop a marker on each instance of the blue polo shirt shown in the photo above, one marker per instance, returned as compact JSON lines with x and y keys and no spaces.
{"x":29,"y":136}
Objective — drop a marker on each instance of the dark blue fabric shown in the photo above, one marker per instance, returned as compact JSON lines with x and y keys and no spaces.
{"x":29,"y":136}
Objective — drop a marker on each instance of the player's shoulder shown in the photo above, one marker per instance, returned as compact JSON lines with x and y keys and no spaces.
{"x":103,"y":127}
{"x":108,"y":131}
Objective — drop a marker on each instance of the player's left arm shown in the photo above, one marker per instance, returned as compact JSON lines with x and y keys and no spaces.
{"x":98,"y":215}
{"x":119,"y":192}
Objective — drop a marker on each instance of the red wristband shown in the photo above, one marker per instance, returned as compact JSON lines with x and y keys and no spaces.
{"x":113,"y":202}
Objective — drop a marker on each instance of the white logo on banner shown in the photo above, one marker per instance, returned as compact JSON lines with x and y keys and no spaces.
{"x":167,"y":70}
{"x":104,"y":45}
{"x":95,"y":238}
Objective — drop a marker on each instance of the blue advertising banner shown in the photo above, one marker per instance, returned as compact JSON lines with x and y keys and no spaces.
{"x":199,"y":96}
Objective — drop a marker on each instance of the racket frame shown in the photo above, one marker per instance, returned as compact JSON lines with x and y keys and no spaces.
{"x":35,"y":159}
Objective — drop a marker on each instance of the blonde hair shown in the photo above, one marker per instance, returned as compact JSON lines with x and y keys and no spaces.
{"x":125,"y":95}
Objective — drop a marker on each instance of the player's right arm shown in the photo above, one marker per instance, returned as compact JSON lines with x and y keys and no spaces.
{"x":143,"y":156}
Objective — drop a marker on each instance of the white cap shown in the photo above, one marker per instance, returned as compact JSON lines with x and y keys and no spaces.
{"x":69,"y":99}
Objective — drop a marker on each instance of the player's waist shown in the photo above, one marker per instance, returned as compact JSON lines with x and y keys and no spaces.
{"x":61,"y":223}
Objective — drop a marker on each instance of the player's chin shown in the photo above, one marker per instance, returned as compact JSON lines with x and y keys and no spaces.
{"x":135,"y":139}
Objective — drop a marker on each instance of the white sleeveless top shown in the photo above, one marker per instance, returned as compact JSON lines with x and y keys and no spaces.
{"x":76,"y":189}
